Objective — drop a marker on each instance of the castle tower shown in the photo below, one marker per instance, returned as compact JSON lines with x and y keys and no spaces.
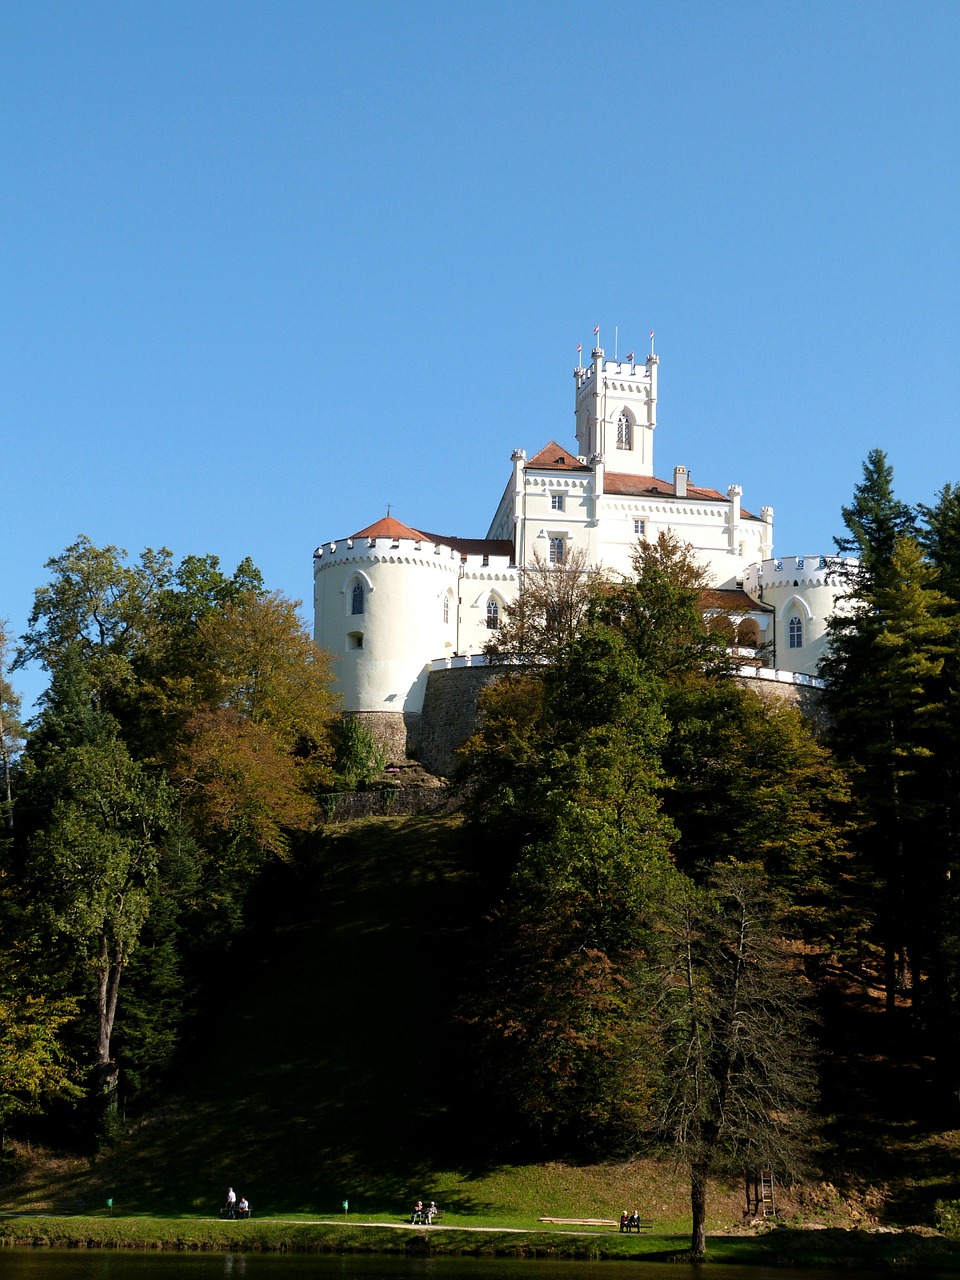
{"x":617,"y":413}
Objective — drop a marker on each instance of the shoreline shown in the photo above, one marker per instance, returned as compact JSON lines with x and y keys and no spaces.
{"x":851,"y":1249}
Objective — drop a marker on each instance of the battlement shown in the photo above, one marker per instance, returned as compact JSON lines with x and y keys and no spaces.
{"x":616,"y":369}
{"x":795,"y":571}
{"x":408,"y":551}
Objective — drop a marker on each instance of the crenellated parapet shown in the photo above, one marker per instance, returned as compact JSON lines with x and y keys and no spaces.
{"x":796,"y":571}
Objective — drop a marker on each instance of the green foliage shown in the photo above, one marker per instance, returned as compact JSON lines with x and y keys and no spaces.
{"x":360,"y":759}
{"x":182,"y":740}
{"x":34,"y":1065}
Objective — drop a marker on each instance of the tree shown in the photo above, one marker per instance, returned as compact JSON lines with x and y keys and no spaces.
{"x":875,"y":519}
{"x":96,"y":608}
{"x":11,"y":733}
{"x":881,"y":682}
{"x":33,"y":1063}
{"x":749,"y":779}
{"x":549,"y":612}
{"x":183,"y":738}
{"x":90,"y":871}
{"x":734,"y":1035}
{"x":257,"y":747}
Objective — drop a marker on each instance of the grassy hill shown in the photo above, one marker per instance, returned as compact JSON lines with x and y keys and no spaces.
{"x":329,"y":1066}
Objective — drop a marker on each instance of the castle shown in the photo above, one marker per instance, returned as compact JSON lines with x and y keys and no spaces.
{"x":399,"y":607}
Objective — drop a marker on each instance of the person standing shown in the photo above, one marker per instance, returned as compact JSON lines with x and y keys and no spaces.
{"x":231,"y":1203}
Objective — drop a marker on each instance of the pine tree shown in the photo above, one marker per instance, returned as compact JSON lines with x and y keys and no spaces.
{"x":881,"y":690}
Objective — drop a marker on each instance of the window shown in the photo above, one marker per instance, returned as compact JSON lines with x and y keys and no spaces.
{"x":493,"y":614}
{"x":639,"y":527}
{"x":556,"y":551}
{"x":556,"y":501}
{"x":796,"y":632}
{"x":446,"y":608}
{"x":355,"y":640}
{"x":624,"y":431}
{"x":356,"y":600}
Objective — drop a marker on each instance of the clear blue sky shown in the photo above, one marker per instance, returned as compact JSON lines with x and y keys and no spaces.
{"x":270,"y":266}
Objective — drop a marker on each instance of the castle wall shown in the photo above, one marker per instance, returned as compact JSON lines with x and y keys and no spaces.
{"x":803,"y":591}
{"x":421,"y":601}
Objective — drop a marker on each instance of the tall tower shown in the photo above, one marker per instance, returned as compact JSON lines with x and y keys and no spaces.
{"x":617,"y":413}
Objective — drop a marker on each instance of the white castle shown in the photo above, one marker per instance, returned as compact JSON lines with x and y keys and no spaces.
{"x":394,"y":604}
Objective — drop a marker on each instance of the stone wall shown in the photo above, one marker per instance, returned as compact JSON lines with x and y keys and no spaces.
{"x":450,"y":714}
{"x":396,"y":733}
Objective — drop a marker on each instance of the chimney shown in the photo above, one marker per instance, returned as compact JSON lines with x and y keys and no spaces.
{"x":680,"y":481}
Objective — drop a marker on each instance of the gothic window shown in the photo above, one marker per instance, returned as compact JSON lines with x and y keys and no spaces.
{"x":493,"y":614}
{"x":356,"y":600}
{"x":446,"y":608}
{"x":796,"y":632}
{"x":624,"y":431}
{"x":556,"y":551}
{"x":556,"y":501}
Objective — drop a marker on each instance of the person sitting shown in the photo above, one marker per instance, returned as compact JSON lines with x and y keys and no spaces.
{"x":634,"y":1223}
{"x":624,"y":1221}
{"x":431,"y":1212}
{"x":417,"y":1215}
{"x":243,"y":1207}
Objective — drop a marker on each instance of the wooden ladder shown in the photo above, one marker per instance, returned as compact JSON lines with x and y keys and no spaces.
{"x":761,"y":1195}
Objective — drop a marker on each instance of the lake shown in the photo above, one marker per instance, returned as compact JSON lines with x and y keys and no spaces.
{"x":122,"y":1264}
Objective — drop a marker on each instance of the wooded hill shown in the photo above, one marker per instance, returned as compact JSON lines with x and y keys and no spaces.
{"x":631,"y":940}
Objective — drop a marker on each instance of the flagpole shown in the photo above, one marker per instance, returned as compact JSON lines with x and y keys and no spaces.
{"x":616,"y":340}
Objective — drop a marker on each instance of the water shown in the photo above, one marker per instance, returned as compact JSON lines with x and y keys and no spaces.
{"x":46,"y":1264}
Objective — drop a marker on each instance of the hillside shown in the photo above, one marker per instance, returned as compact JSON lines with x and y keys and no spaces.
{"x":329,"y":1066}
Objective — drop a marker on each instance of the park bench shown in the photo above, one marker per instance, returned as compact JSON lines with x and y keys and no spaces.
{"x":422,"y":1219}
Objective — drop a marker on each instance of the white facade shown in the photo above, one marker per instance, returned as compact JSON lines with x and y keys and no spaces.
{"x":392,"y":601}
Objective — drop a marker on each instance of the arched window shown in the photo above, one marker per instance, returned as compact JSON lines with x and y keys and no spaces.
{"x":356,"y":599}
{"x":796,"y":632}
{"x":556,"y":551}
{"x":446,"y":608}
{"x":493,"y":614}
{"x":624,"y":431}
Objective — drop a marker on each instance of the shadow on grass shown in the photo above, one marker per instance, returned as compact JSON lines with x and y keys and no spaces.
{"x":335,"y":1075}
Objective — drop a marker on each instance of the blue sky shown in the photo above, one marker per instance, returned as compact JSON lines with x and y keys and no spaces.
{"x":269,"y":267}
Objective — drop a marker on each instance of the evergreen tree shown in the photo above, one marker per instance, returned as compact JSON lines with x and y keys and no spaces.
{"x":887,"y":649}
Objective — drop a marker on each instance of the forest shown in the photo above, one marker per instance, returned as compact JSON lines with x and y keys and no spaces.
{"x":670,"y":876}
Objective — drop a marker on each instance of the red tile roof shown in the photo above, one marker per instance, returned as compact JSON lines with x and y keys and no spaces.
{"x":731,"y":600}
{"x":555,"y":458}
{"x":475,"y":546}
{"x":651,"y":487}
{"x":393,"y":529}
{"x":390,"y":528}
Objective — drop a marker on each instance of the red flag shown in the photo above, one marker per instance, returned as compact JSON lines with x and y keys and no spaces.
{"x":596,"y":331}
{"x":579,"y":347}
{"x":630,"y":357}
{"x":651,"y":335}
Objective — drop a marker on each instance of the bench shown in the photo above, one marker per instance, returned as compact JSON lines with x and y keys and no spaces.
{"x":637,"y":1224}
{"x":420,"y":1218}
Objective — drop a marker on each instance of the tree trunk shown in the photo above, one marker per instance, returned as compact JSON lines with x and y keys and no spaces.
{"x":107,"y":1073}
{"x":698,"y":1205}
